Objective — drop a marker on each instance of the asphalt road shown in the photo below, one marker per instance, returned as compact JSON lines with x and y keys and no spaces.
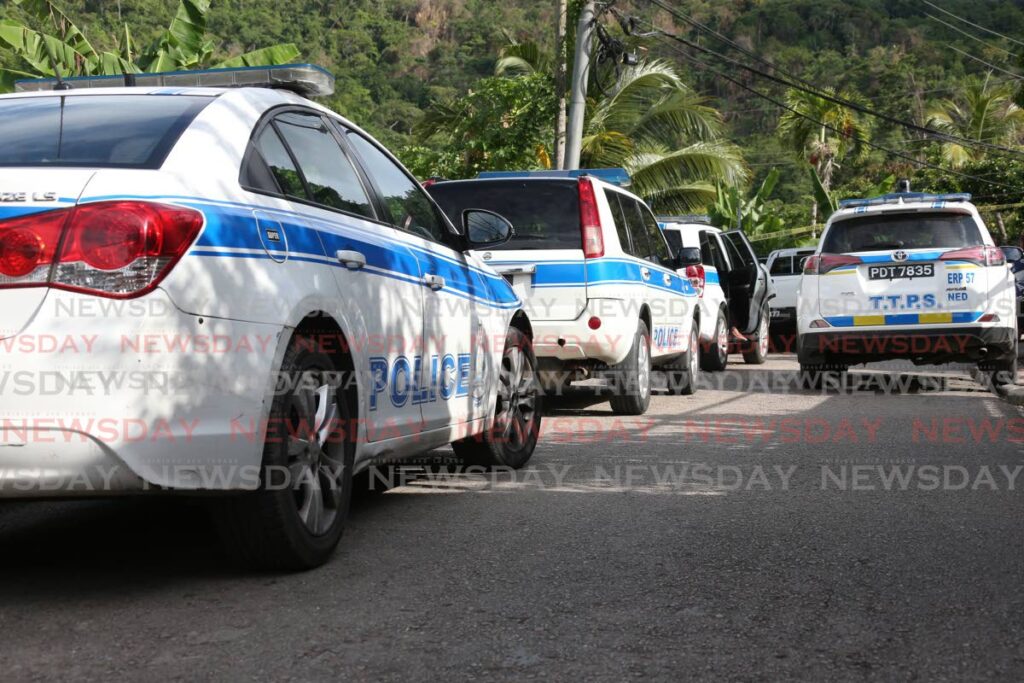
{"x":749,"y":532}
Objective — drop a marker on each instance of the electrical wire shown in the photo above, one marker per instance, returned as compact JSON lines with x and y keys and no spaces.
{"x":800,"y":84}
{"x":969,"y":35}
{"x":971,"y":23}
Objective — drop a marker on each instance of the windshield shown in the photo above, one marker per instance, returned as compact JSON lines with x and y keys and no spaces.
{"x":902,"y":231}
{"x":546,"y":215}
{"x":116,"y":131}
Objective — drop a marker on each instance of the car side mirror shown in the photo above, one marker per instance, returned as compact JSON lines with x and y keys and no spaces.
{"x":484,"y":229}
{"x":688,"y":256}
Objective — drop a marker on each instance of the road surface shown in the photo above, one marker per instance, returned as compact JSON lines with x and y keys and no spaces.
{"x":751,"y":531}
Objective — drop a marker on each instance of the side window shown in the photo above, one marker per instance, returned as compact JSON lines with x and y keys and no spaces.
{"x":410,"y":207}
{"x":659,"y":247}
{"x":331,"y":179}
{"x":620,"y":222}
{"x":674,"y":239}
{"x":719,"y":260}
{"x":282,"y":169}
{"x":738,"y":252}
{"x":635,"y":225}
{"x":782,"y":265}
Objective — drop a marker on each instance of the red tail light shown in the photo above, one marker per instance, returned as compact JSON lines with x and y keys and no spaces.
{"x":116,"y":249}
{"x":695,"y":274}
{"x":983,"y":256}
{"x":819,"y":264}
{"x":590,"y":221}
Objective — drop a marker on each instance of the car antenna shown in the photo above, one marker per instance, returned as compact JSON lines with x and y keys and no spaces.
{"x":61,"y":84}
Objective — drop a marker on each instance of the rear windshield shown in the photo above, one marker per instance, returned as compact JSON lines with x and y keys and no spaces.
{"x":546,"y":215}
{"x":902,"y":231}
{"x":116,"y":131}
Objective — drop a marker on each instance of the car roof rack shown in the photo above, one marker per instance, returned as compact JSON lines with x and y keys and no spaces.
{"x":697,"y":218}
{"x":904,"y":198}
{"x":308,"y":80}
{"x":614,"y":176}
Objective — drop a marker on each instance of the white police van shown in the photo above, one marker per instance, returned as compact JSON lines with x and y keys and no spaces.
{"x":266,"y":302}
{"x":734,"y":290}
{"x":599,"y":282}
{"x":785,"y":267}
{"x":906,"y":276}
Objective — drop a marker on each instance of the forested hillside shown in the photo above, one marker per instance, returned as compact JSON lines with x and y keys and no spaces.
{"x":395,"y":58}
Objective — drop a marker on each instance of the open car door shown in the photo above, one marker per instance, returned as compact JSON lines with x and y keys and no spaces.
{"x":748,"y":283}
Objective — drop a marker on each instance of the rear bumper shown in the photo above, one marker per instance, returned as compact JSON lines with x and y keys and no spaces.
{"x":109,"y":397}
{"x":575,"y":340}
{"x":969,"y":343}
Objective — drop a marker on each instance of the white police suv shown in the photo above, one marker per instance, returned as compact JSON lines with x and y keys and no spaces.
{"x":907,"y":276}
{"x":734,"y":290}
{"x":233,"y":289}
{"x":600,"y":284}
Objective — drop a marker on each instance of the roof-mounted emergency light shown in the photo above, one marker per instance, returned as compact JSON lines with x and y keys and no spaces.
{"x":615,"y":176}
{"x":687,"y":219}
{"x":308,"y":80}
{"x":904,"y":198}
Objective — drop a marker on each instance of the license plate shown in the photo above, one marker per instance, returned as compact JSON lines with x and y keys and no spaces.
{"x":901,"y":271}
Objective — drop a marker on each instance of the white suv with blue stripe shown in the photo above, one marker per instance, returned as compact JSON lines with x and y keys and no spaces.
{"x":907,"y":276}
{"x":236,"y":290}
{"x":600,"y":284}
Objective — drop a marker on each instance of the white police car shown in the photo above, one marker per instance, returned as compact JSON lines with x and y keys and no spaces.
{"x":734,"y":289}
{"x":600,"y":284}
{"x":249,"y":294}
{"x":907,"y":276}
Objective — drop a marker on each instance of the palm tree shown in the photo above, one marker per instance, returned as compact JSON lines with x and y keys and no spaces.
{"x":822,"y":132}
{"x":665,"y":135}
{"x":983,"y":111}
{"x":651,"y":123}
{"x":62,"y":45}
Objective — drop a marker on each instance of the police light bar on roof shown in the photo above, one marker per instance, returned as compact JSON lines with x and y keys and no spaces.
{"x":308,"y":80}
{"x":904,"y":198}
{"x":614,"y":176}
{"x":688,"y":219}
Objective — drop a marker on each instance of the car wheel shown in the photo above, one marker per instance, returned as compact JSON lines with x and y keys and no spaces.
{"x":715,"y":354}
{"x":512,"y":438}
{"x":296,"y":518}
{"x":757,"y":354}
{"x":1001,"y":373}
{"x":631,"y":379}
{"x":825,"y":375}
{"x":684,"y":382}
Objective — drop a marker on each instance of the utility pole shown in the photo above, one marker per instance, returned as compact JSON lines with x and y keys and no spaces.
{"x":580,"y":74}
{"x":561,"y":22}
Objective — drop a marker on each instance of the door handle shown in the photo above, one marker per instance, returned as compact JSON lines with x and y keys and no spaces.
{"x":645,"y":273}
{"x":435,"y":282}
{"x":353,"y":260}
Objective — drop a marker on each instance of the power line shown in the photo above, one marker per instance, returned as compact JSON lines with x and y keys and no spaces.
{"x":967,"y":54}
{"x":796,"y":112}
{"x":969,"y":35}
{"x":971,"y":23}
{"x":798,"y":83}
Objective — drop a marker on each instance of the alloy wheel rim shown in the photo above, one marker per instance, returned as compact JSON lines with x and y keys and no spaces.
{"x":723,"y":341}
{"x":762,"y":337}
{"x":314,"y":465}
{"x":516,"y":412}
{"x":644,"y":368}
{"x":694,"y":356}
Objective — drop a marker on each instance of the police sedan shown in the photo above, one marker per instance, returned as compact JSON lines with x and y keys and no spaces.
{"x":232,"y":289}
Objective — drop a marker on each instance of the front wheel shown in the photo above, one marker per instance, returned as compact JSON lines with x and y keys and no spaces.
{"x":684,"y":382}
{"x":512,"y":438}
{"x":757,"y":354}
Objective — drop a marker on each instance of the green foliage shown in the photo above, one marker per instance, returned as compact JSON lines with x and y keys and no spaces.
{"x":183,"y":45}
{"x":753,"y":214}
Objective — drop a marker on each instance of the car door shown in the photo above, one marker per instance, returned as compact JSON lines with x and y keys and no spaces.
{"x":748,"y":282}
{"x":455,"y":364}
{"x":376,"y":277}
{"x":670,"y":310}
{"x":715,"y":270}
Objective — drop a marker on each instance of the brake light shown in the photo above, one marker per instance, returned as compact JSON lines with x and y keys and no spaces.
{"x":983,"y":256}
{"x":590,"y":220}
{"x":695,"y":274}
{"x":117,"y":249}
{"x":819,"y":264}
